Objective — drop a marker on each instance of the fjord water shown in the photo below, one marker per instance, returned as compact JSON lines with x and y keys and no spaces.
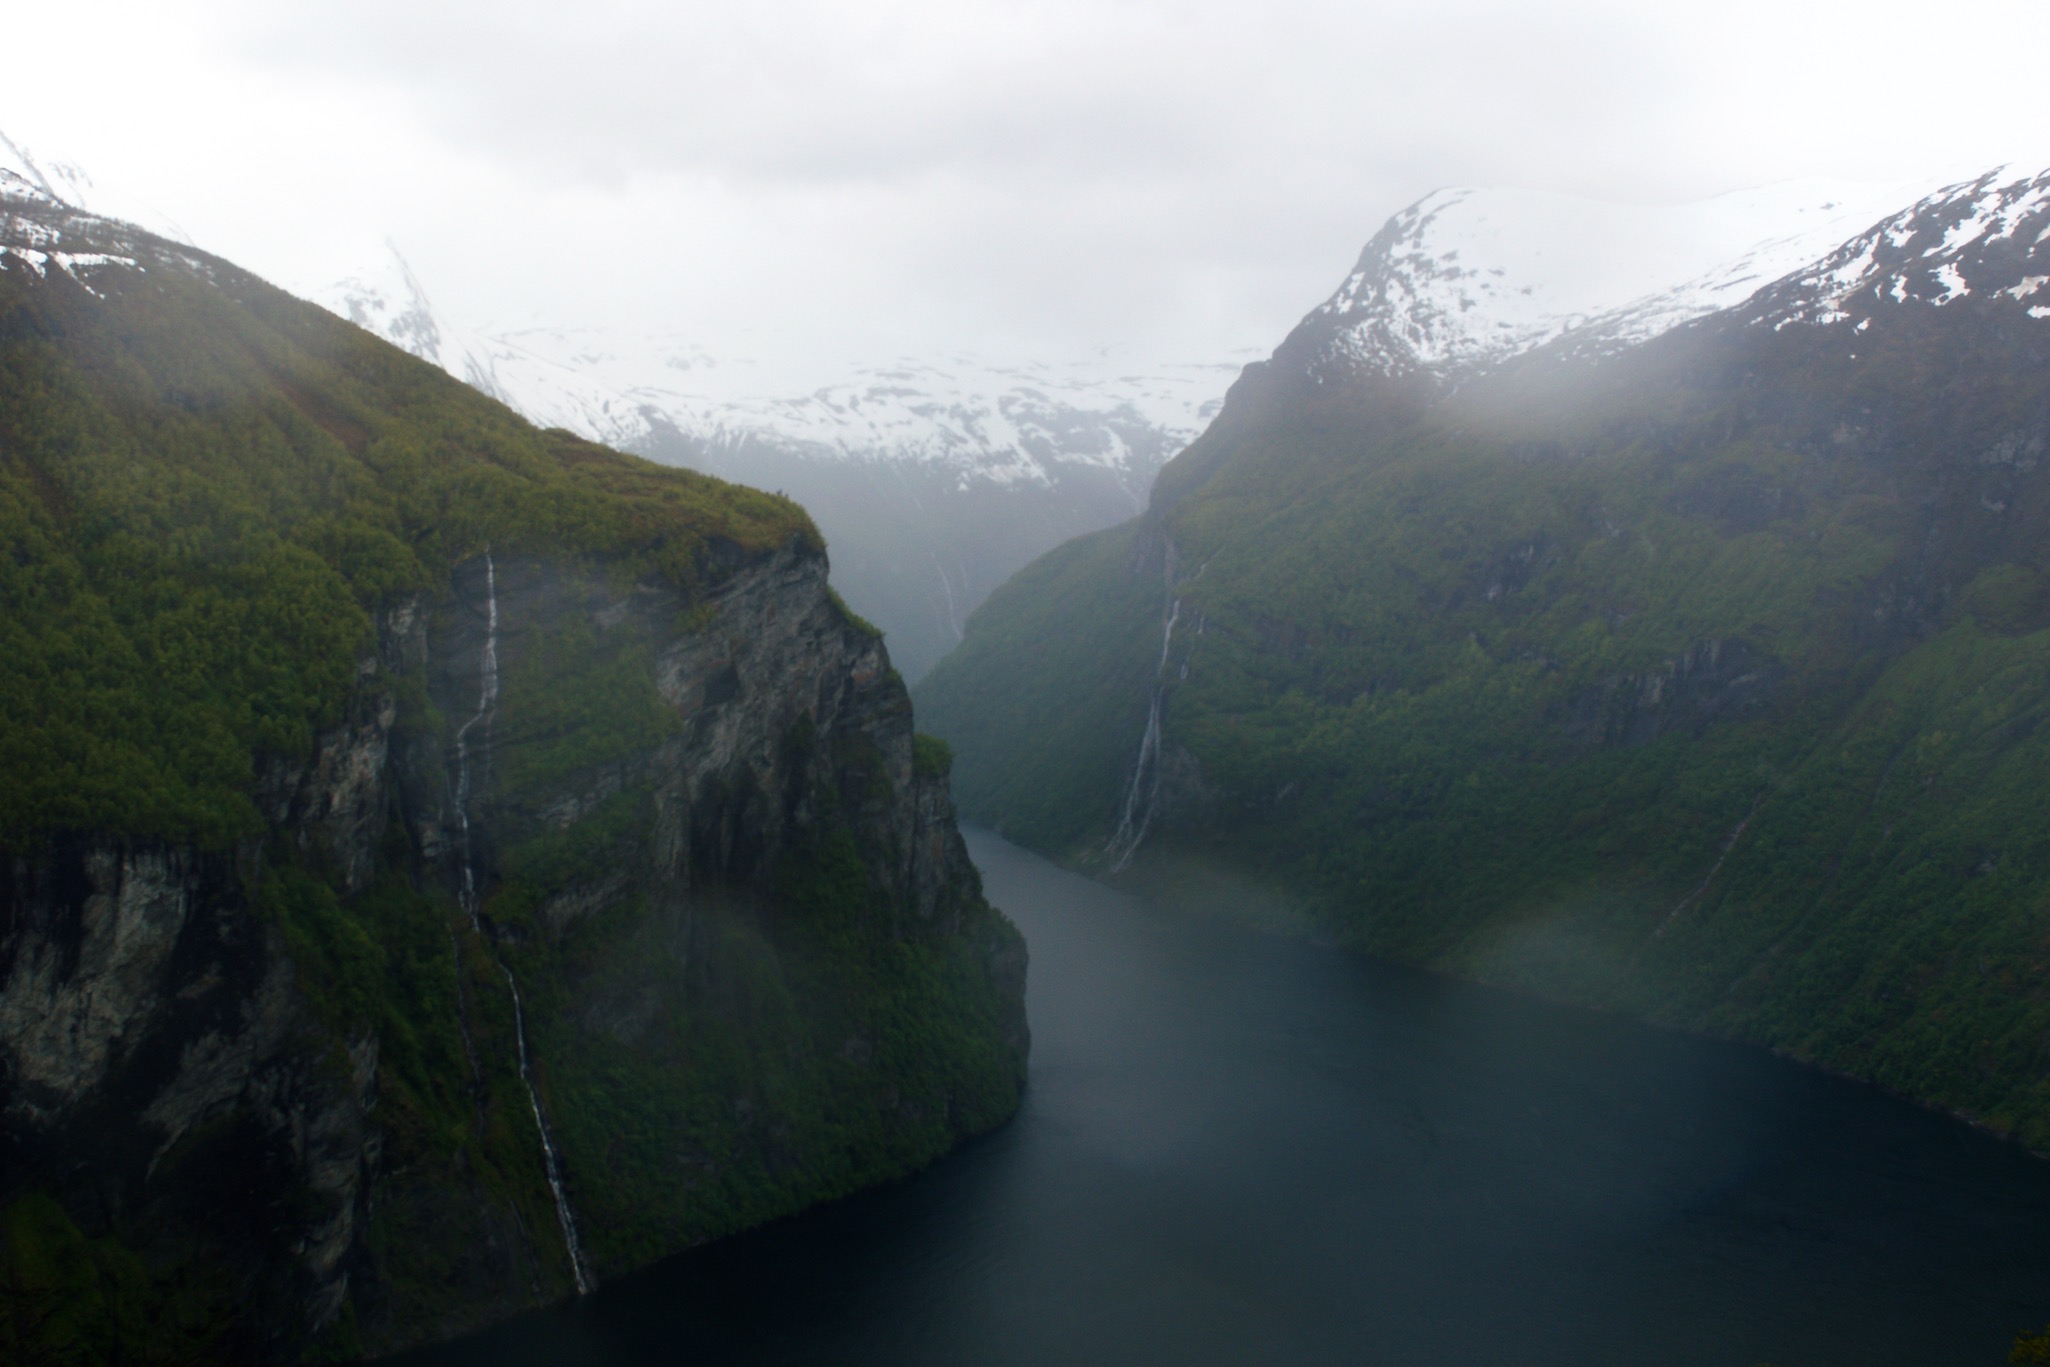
{"x":1237,"y":1148}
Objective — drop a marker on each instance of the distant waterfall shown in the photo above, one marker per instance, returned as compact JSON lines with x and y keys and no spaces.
{"x":947,"y":588}
{"x":1144,"y":793}
{"x":487,"y":703}
{"x":1722,"y":857}
{"x":1139,"y":798}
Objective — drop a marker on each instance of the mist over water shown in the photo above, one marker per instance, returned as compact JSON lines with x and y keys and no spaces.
{"x":1238,"y":1148}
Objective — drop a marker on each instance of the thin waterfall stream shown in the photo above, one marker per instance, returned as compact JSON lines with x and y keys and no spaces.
{"x":1144,"y":792}
{"x":487,"y":703}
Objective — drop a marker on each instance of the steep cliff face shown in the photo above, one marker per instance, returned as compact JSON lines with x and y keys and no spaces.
{"x":162,"y":1080}
{"x":735,"y":904}
{"x":728,"y":917}
{"x":442,"y":864}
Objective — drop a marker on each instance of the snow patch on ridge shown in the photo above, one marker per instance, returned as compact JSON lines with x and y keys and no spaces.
{"x":43,"y":217}
{"x":1466,"y":278}
{"x":23,"y":177}
{"x":1979,"y":237}
{"x":999,"y":422}
{"x":27,"y":180}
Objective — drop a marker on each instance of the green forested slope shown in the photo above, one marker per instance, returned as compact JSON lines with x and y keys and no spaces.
{"x":205,"y":484}
{"x":1052,"y":701}
{"x":243,"y":586}
{"x":1707,"y":683}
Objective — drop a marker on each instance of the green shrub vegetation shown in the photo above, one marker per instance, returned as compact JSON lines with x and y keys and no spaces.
{"x":70,"y":1301}
{"x":931,"y":757}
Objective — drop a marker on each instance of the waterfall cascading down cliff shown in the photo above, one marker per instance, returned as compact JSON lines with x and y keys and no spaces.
{"x":487,"y":703}
{"x":947,"y":590}
{"x":1144,"y":792}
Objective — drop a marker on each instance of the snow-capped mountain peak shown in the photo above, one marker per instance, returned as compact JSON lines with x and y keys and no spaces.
{"x":987,"y":421}
{"x":1982,"y":238}
{"x":46,"y":226}
{"x":25,"y":177}
{"x":54,"y":218}
{"x":1464,"y":278}
{"x":388,"y":299}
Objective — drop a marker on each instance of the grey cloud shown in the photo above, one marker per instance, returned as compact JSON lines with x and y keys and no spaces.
{"x":827,"y":92}
{"x":1187,"y":177}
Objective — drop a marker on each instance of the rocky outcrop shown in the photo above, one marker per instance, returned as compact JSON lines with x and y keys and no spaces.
{"x":196,"y":1045}
{"x":1709,"y":681}
{"x":90,"y":941}
{"x":150,"y":1028}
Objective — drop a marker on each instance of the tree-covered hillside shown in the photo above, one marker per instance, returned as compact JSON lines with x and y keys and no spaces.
{"x":207,"y":486}
{"x":389,"y":788}
{"x":1706,"y":681}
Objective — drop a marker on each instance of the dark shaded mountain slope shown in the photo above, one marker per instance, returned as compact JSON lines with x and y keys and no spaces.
{"x":441,"y":862}
{"x":1704,"y":679}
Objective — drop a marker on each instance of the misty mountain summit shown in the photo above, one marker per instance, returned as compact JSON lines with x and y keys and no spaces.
{"x":1464,"y":280}
{"x":1665,"y":630}
{"x":933,"y":478}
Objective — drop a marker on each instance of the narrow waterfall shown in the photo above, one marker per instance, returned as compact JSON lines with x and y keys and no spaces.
{"x":487,"y":703}
{"x":1144,"y":791}
{"x":550,"y":1161}
{"x":947,"y":587}
{"x":1138,"y":809}
{"x":1722,"y":857}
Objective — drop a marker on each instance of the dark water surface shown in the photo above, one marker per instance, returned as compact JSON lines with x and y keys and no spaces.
{"x":1242,"y":1149}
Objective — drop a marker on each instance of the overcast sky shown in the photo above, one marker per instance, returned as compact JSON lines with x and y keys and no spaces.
{"x":1047,"y":176}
